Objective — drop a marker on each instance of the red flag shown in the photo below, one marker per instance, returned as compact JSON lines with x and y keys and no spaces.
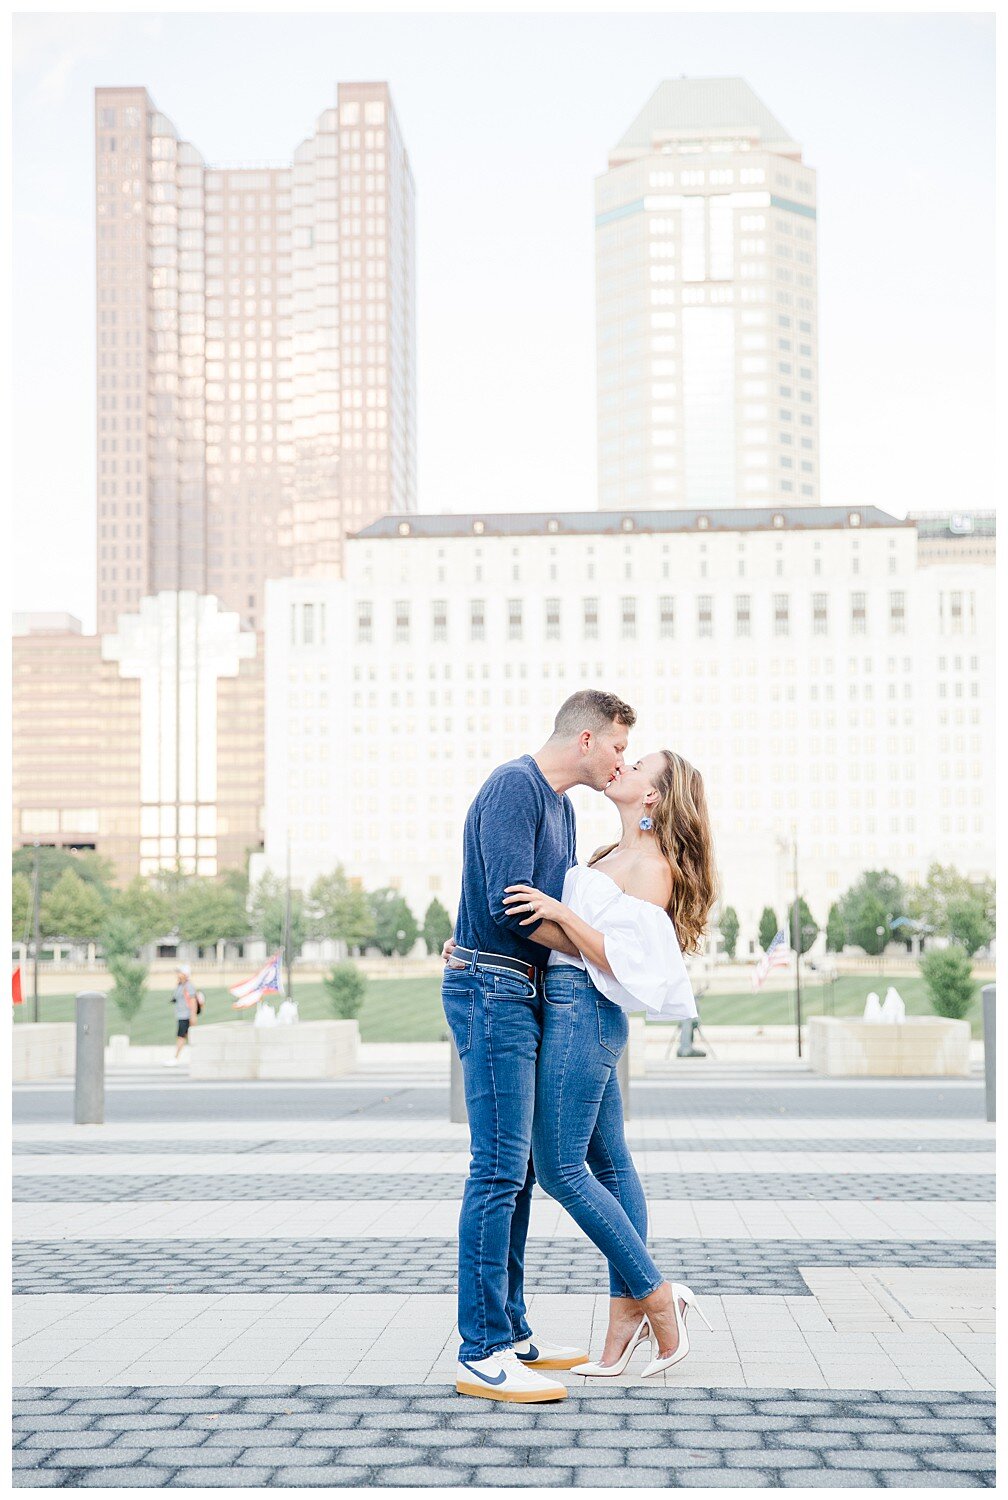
{"x":16,"y":986}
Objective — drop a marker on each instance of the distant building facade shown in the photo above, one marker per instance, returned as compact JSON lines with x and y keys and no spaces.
{"x":707,"y":306}
{"x":256,"y":352}
{"x":145,"y":745}
{"x":822,"y":677}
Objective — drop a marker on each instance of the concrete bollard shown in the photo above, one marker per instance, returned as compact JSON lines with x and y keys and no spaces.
{"x":89,"y":1073}
{"x":457,"y":1112}
{"x":989,"y":994}
{"x":623,"y":1074}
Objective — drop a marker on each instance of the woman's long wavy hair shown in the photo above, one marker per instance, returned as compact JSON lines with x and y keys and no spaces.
{"x":682,"y":830}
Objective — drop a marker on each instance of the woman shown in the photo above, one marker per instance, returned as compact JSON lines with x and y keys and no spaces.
{"x":631,"y":912}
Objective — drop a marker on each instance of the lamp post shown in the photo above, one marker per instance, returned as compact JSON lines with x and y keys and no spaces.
{"x":880,"y":934}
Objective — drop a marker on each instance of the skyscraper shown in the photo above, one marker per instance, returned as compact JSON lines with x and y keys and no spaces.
{"x":256,"y":352}
{"x":706,"y":306}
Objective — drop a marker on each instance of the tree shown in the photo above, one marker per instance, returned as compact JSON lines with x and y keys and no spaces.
{"x":867,"y":917}
{"x":140,"y":904}
{"x":210,"y":912}
{"x":948,"y":975}
{"x":729,"y":925}
{"x":802,"y":940}
{"x":879,"y":885}
{"x":128,"y":992}
{"x":437,"y":927}
{"x":345,"y":987}
{"x":269,"y":901}
{"x":21,"y":908}
{"x":72,"y":909}
{"x":94,"y":869}
{"x":121,"y":935}
{"x":395,"y":925}
{"x":872,"y":902}
{"x":340,"y":910}
{"x":836,"y":933}
{"x":768,"y":928}
{"x":945,"y":887}
{"x":966,"y":923}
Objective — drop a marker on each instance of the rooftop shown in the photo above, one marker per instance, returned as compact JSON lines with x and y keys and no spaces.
{"x":697,"y":106}
{"x":613,"y":522}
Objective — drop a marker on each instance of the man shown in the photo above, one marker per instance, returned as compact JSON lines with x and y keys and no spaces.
{"x":184,"y":1001}
{"x":519,"y":830}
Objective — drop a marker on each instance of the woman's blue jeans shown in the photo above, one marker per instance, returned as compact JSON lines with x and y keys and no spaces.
{"x":578,"y":1124}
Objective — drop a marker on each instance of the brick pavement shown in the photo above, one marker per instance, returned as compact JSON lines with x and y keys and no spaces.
{"x":853,"y":1332}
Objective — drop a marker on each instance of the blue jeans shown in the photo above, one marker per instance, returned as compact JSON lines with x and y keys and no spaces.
{"x":579,"y":1125}
{"x":496,"y":1019}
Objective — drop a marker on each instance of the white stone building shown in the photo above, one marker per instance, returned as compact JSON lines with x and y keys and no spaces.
{"x":824,"y":677}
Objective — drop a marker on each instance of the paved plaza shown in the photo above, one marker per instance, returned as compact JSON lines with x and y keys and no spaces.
{"x":252,"y":1285}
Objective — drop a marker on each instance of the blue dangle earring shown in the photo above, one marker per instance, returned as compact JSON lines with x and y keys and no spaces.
{"x":645,"y":823}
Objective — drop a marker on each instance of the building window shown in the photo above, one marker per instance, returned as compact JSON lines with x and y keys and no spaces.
{"x":820,"y":614}
{"x":666,"y":616}
{"x":743,"y":617}
{"x":591,"y":619}
{"x":439,"y":619}
{"x":781,"y":614}
{"x":401,"y":616}
{"x":308,"y":624}
{"x":858,"y":614}
{"x":628,"y":617}
{"x":552,"y":619}
{"x":364,"y":623}
{"x":897,"y":613}
{"x":956,"y":612}
{"x":514,"y":609}
{"x":477,"y":620}
{"x":705,"y":614}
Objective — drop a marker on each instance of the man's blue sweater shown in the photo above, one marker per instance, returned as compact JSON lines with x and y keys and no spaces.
{"x":518,"y":831}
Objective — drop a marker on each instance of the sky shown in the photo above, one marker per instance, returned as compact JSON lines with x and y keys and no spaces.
{"x":507,"y":120}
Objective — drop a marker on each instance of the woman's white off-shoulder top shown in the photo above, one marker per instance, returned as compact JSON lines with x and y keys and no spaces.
{"x":648,"y":972}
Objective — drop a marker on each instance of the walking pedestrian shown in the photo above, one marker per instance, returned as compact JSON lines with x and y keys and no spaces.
{"x":184,"y":1001}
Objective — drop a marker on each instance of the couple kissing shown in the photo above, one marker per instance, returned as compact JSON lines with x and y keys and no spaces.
{"x":547,"y":958}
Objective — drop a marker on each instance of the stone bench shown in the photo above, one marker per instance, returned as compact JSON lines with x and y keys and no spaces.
{"x":307,"y":1049}
{"x":43,"y":1049}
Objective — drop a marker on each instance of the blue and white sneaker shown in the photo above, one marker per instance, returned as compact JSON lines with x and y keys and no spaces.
{"x":503,"y":1377}
{"x":536,"y":1355}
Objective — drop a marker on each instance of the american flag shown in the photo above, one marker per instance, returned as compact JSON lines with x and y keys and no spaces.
{"x":777,"y":956}
{"x":267,"y":982}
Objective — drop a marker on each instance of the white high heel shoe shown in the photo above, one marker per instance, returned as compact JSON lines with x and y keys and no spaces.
{"x":639,"y":1336}
{"x":680,"y":1294}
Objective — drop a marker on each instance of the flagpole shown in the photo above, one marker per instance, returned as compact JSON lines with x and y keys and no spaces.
{"x":797,"y":937}
{"x":35,"y":935}
{"x":287,"y":923}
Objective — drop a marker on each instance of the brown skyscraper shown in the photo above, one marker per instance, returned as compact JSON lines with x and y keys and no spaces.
{"x":256,"y":352}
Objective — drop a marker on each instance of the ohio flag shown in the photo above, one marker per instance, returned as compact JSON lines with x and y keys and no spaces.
{"x":267,"y":982}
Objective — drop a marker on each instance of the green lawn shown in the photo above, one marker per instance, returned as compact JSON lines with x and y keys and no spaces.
{"x":409,"y":1010}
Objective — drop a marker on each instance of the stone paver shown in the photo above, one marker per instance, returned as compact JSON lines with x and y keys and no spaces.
{"x":840,"y":1234}
{"x":353,"y":1444}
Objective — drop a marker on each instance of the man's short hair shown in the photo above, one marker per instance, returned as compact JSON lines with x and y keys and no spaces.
{"x":591,"y":709}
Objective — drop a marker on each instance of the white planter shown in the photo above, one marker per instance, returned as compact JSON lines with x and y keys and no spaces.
{"x":309,"y":1049}
{"x":44,"y":1049}
{"x":919,"y":1047}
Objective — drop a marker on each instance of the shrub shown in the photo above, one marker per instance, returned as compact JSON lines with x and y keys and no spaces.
{"x":130,"y":977}
{"x":345,"y":987}
{"x":948,"y":975}
{"x":729,"y":925}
